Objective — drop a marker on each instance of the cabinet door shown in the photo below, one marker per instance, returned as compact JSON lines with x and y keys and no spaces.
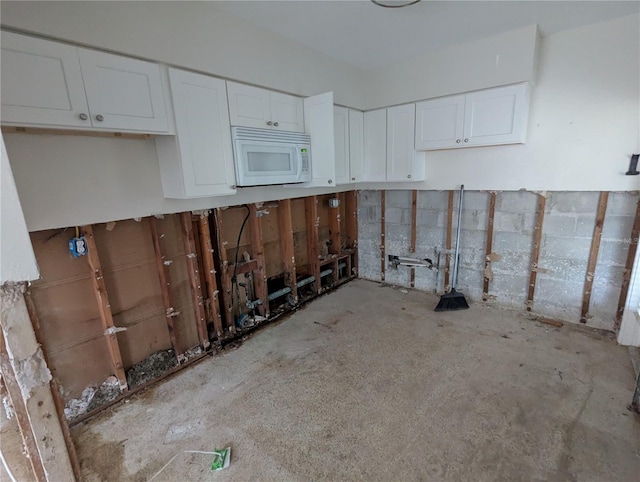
{"x":249,"y":106}
{"x":440,"y":123}
{"x":356,"y":145}
{"x":400,"y":143}
{"x":497,"y":116}
{"x":41,"y":83}
{"x":123,"y":93}
{"x":286,"y":112}
{"x":198,"y":160}
{"x":341,"y":143}
{"x":375,"y":145}
{"x":318,"y":123}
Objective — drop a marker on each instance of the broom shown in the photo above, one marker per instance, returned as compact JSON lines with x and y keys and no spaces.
{"x":453,"y":300}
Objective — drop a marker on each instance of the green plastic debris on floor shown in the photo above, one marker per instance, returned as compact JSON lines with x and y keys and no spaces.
{"x":221,"y":459}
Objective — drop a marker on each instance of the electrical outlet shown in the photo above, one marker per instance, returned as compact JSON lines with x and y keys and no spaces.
{"x":78,"y":246}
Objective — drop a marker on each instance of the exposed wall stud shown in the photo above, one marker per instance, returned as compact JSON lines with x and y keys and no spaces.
{"x":351,"y":227}
{"x":628,"y":267}
{"x":383,"y":254}
{"x":535,"y":250}
{"x":20,"y":410}
{"x":257,"y":248}
{"x":313,"y":222}
{"x":334,"y":230}
{"x":164,"y":275}
{"x":593,"y":255}
{"x":447,"y":245}
{"x":488,"y":273}
{"x":209,"y":272}
{"x":225,"y":278}
{"x":55,"y":388}
{"x":194,"y":278}
{"x":414,"y":232}
{"x":104,"y":307}
{"x":286,"y":243}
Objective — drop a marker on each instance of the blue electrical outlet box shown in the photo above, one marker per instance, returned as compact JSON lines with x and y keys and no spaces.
{"x":78,"y":246}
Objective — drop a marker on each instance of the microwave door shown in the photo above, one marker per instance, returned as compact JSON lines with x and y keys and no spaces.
{"x":268,"y":164}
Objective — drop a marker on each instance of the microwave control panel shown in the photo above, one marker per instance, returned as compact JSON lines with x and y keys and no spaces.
{"x":304,"y":157}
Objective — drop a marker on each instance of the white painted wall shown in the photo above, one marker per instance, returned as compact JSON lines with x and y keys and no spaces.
{"x":584,"y":122}
{"x":502,"y":59}
{"x":629,"y":333}
{"x":17,"y":261}
{"x":194,"y":35}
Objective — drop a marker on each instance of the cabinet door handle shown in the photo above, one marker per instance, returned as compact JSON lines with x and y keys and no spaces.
{"x":466,"y":140}
{"x":330,"y":181}
{"x":275,"y":124}
{"x":457,"y":141}
{"x":99,"y":118}
{"x":353,"y":178}
{"x":269,"y":123}
{"x":408,"y":176}
{"x":83,"y":116}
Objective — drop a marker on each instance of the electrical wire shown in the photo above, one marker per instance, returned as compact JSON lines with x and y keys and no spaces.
{"x":234,"y":278}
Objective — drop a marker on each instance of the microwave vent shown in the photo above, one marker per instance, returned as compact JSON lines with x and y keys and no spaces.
{"x":267,"y":135}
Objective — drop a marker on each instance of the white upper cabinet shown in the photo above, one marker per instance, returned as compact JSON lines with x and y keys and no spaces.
{"x":123,"y":93}
{"x":440,"y":122}
{"x":496,"y":116}
{"x":318,"y":122}
{"x":403,"y":163}
{"x":198,"y":160}
{"x":487,"y":117}
{"x":49,"y":84}
{"x":41,"y":83}
{"x":341,"y":143}
{"x":356,"y":145}
{"x":255,"y":107}
{"x":375,"y":145}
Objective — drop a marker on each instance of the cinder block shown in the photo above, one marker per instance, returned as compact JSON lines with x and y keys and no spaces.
{"x":427,"y":236}
{"x":617,"y":228}
{"x":470,"y":283}
{"x":572,"y":202}
{"x":558,"y":298}
{"x":570,"y":270}
{"x":429,"y":217}
{"x":435,"y":200}
{"x":369,"y":198}
{"x":506,"y":221}
{"x":470,"y":239}
{"x":512,"y":262}
{"x":565,"y":247}
{"x":559,"y":225}
{"x":613,"y":253}
{"x":516,"y":202}
{"x":426,"y":280}
{"x":398,"y":199}
{"x":369,"y":215}
{"x":399,"y":277}
{"x":474,"y":219}
{"x":609,"y":275}
{"x":622,"y":203}
{"x":584,"y":225}
{"x":474,"y":200}
{"x":472,"y":258}
{"x":398,"y":233}
{"x":393,"y":216}
{"x":516,"y":242}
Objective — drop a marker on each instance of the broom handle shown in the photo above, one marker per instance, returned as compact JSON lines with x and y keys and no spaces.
{"x":455,"y":261}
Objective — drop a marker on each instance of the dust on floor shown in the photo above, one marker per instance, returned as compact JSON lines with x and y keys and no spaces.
{"x":369,"y":383}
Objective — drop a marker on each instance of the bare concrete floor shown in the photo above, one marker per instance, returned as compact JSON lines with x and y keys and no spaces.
{"x":369,"y":383}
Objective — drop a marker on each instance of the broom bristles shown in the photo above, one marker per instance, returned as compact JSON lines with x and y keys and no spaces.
{"x":451,"y":301}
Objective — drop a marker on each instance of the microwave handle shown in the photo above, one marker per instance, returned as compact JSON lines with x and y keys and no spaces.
{"x":298,"y":162}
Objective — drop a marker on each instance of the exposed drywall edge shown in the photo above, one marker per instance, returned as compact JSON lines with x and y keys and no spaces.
{"x":17,"y":261}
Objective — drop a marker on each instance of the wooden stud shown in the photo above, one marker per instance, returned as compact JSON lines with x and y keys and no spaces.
{"x":194,"y":278}
{"x":414,"y":231}
{"x":164,"y":275}
{"x":351,"y":228}
{"x":257,"y":248}
{"x":313,"y":222}
{"x":286,"y":242}
{"x":334,"y":230}
{"x":104,"y":307}
{"x":447,"y":246}
{"x":55,"y":388}
{"x":210,"y":272}
{"x":383,"y":254}
{"x":593,"y":255}
{"x":489,"y":247}
{"x":535,"y":251}
{"x":628,"y":267}
{"x":225,"y":278}
{"x":20,"y":410}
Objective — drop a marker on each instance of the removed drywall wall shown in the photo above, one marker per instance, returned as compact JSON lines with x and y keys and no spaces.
{"x":565,"y":246}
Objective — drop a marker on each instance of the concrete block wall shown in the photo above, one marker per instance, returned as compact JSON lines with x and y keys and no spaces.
{"x":565,"y":245}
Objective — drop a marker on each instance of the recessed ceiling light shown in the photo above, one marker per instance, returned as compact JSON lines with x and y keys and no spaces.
{"x":394,"y":3}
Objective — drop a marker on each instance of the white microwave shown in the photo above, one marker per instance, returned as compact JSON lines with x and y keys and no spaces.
{"x":263,"y":156}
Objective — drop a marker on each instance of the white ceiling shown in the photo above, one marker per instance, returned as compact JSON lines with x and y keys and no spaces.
{"x":361,"y":34}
